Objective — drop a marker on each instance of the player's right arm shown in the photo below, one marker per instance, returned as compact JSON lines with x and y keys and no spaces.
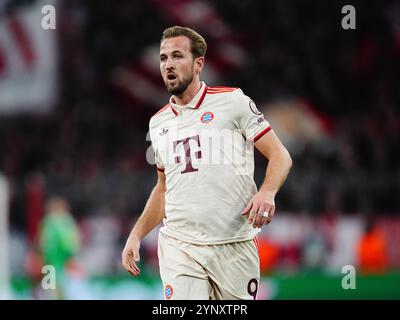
{"x":152,"y":215}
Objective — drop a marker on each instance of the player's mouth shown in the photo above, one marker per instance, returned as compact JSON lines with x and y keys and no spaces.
{"x":171,"y":77}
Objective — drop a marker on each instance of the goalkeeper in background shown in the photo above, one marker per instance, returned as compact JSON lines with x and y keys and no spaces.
{"x":59,"y":239}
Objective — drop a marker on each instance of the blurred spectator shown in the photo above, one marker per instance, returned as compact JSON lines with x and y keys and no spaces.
{"x":372,"y":249}
{"x":269,"y":255}
{"x":314,"y":249}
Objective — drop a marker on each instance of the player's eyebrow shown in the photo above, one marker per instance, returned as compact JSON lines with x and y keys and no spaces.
{"x":173,"y":52}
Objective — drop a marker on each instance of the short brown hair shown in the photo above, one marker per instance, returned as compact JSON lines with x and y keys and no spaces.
{"x":197,"y":43}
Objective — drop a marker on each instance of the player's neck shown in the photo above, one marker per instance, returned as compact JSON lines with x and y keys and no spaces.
{"x":189,"y":93}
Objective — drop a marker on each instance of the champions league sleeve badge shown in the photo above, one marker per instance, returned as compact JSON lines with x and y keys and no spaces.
{"x":253,"y":108}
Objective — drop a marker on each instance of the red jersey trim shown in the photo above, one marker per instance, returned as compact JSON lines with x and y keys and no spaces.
{"x":216,"y":92}
{"x":162,"y":109}
{"x":174,"y":111}
{"x":222,"y":87}
{"x":201,"y":98}
{"x":257,"y":244}
{"x":261,"y":133}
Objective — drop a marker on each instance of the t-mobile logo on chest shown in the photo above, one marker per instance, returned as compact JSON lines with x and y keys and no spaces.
{"x":187,"y":150}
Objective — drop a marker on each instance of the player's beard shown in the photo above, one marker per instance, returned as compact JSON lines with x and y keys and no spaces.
{"x":182,"y":85}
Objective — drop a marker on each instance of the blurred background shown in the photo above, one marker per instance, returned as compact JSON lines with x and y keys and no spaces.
{"x":74,"y":109}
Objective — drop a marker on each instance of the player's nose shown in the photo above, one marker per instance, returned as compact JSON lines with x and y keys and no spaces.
{"x":169,"y":65}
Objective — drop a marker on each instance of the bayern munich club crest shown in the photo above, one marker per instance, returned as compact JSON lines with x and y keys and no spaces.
{"x":207,"y":117}
{"x":168,"y":291}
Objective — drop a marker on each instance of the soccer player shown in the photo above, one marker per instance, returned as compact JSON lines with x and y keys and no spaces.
{"x":206,"y":195}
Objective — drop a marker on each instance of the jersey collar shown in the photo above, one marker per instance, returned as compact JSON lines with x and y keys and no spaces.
{"x":194,"y":103}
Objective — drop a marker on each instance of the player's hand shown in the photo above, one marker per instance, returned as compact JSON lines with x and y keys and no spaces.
{"x":130,"y":255}
{"x":261,"y":209}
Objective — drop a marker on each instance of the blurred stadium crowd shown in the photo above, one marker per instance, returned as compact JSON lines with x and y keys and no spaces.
{"x":331,"y":94}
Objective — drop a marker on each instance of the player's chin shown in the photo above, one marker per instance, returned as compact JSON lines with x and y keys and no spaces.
{"x":171,"y":87}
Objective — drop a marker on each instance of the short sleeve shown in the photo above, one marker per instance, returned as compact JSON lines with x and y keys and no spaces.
{"x":157,"y":158}
{"x":159,"y":163}
{"x":250,"y":120}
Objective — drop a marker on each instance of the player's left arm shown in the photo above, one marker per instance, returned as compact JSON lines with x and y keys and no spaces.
{"x":279,"y":164}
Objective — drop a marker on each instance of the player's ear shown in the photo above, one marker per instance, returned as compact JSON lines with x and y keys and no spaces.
{"x":198,"y":64}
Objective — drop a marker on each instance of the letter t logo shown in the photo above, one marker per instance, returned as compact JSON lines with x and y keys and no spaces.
{"x":188,"y":158}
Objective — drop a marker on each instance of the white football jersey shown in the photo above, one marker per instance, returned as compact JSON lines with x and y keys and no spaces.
{"x":206,"y":150}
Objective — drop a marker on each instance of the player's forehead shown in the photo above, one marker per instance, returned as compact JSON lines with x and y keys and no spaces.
{"x":180,"y":43}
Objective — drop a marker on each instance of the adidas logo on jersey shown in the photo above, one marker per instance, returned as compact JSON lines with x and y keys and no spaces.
{"x":163,"y":131}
